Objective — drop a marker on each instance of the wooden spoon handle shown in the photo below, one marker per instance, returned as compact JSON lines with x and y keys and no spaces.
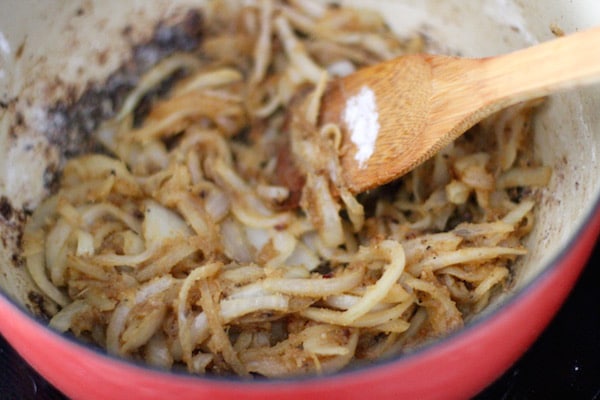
{"x":537,"y":71}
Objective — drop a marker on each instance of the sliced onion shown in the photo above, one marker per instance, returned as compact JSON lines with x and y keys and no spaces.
{"x":394,"y":256}
{"x":160,"y":224}
{"x":316,"y":287}
{"x":235,"y":244}
{"x":56,"y":250}
{"x":63,"y":320}
{"x":154,"y":76}
{"x":35,"y":265}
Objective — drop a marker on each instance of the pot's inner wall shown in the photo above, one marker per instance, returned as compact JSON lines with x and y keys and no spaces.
{"x":51,"y":52}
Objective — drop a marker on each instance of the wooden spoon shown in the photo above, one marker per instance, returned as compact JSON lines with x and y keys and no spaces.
{"x":397,"y":114}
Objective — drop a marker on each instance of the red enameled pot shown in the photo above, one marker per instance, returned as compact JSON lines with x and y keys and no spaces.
{"x":50,"y":51}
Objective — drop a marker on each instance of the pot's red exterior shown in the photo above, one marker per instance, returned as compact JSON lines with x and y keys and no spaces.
{"x":457,"y":367}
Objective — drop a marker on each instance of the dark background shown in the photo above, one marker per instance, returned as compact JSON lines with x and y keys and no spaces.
{"x":563,"y":364}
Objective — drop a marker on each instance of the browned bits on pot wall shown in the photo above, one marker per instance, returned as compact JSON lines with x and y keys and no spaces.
{"x":6,"y":210}
{"x":71,"y":122}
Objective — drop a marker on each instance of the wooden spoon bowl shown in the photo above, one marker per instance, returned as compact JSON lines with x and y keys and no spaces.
{"x":397,"y":114}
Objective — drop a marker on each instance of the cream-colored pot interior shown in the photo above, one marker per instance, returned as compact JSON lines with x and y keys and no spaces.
{"x":51,"y":50}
